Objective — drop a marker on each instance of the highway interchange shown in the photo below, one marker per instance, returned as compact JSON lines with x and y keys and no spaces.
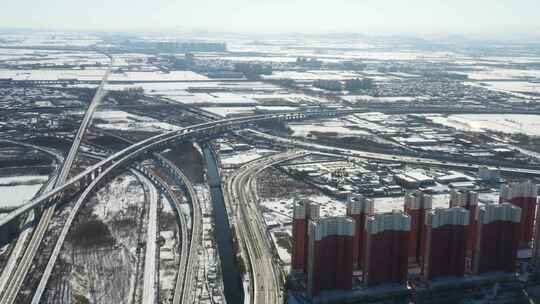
{"x":24,"y":236}
{"x":18,"y":275}
{"x":97,"y":172}
{"x":266,"y":276}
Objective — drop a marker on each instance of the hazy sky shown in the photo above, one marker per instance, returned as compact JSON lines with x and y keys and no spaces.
{"x":365,"y":16}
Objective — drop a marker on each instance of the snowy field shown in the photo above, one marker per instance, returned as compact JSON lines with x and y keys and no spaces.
{"x":16,"y":190}
{"x":51,"y":58}
{"x":209,"y":279}
{"x":120,"y":120}
{"x":313,"y":75}
{"x":45,"y":38}
{"x":277,"y":214}
{"x":53,"y":75}
{"x":387,"y":204}
{"x":179,"y":88}
{"x":122,"y":193}
{"x":275,"y":59}
{"x":97,"y":75}
{"x":349,"y":50}
{"x":508,"y":89}
{"x":241,"y":157}
{"x":157,"y":76}
{"x":25,"y":179}
{"x":368,"y":122}
{"x":507,"y":123}
{"x":224,"y":111}
{"x":103,"y":272}
{"x":515,"y":86}
{"x":338,"y":126}
{"x":503,"y":73}
{"x":367,"y":98}
{"x":14,"y":196}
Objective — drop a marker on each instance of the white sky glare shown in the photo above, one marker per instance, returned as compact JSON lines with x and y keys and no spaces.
{"x":267,"y":16}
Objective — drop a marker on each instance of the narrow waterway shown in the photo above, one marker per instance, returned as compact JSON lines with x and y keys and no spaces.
{"x":232,"y":281}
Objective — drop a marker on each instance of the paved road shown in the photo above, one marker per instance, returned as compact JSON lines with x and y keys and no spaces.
{"x":384,"y":156}
{"x":187,"y":261}
{"x":63,"y":234}
{"x":19,"y":275}
{"x":149,"y":280}
{"x":184,"y":241}
{"x":198,"y":131}
{"x":267,"y":278}
{"x":24,"y":236}
{"x":187,"y":295}
{"x":74,"y":212}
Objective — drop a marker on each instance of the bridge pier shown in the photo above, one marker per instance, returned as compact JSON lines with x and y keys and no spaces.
{"x":86,"y":181}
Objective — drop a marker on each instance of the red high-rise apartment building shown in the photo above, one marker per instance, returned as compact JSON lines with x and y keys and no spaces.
{"x":358,"y":208}
{"x":416,"y":204}
{"x":536,"y":248}
{"x":445,"y":239}
{"x":303,"y":212}
{"x":330,"y":259}
{"x":385,"y":248}
{"x":523,"y":195}
{"x":468,"y":200}
{"x":498,"y":237}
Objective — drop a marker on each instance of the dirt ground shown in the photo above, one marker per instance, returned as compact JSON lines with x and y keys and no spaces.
{"x":189,"y":159}
{"x":273,"y":183}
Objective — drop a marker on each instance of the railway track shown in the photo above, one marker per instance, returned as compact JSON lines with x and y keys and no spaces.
{"x":266,"y":279}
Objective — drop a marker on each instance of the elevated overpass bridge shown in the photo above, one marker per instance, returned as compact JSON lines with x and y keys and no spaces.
{"x":122,"y":158}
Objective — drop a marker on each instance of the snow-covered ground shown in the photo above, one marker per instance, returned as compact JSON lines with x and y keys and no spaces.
{"x":16,"y":190}
{"x":97,"y":74}
{"x":277,"y":214}
{"x":194,"y":92}
{"x":502,"y":73}
{"x":241,"y":157}
{"x":53,"y":75}
{"x":14,"y":196}
{"x":170,"y":246}
{"x":284,"y":234}
{"x":224,"y":111}
{"x":507,"y":123}
{"x":313,"y":75}
{"x":23,"y":179}
{"x":367,"y":98}
{"x":157,"y":76}
{"x":149,"y":281}
{"x":120,"y":120}
{"x":107,"y":270}
{"x":515,"y":86}
{"x":338,"y":126}
{"x":168,"y":256}
{"x":123,"y":193}
{"x":387,"y":204}
{"x":209,"y":279}
{"x":140,"y":126}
